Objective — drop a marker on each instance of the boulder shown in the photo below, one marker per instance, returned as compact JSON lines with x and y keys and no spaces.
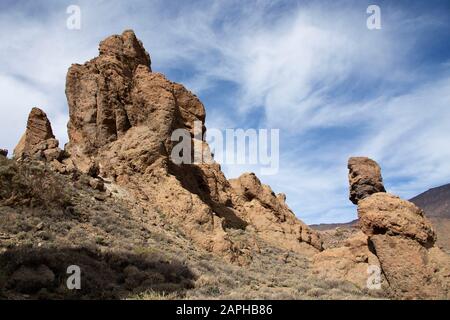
{"x":395,"y":236}
{"x":31,"y":279}
{"x":400,"y":236}
{"x":3,"y":152}
{"x":364,"y":178}
{"x":408,"y":268}
{"x":384,"y":213}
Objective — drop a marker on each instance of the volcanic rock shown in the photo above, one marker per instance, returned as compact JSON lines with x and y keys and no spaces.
{"x":364,"y":177}
{"x":99,"y":96}
{"x":403,"y":241}
{"x":349,"y":262}
{"x":30,"y":279}
{"x":271,"y":217}
{"x":384,"y":213}
{"x":122,"y":116}
{"x":396,"y":237}
{"x":38,"y":141}
{"x":409,"y":268}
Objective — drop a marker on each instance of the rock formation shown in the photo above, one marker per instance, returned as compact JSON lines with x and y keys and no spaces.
{"x":38,"y":141}
{"x":350,"y":262}
{"x":122,"y":116}
{"x":271,"y":217}
{"x":364,"y":177}
{"x":403,"y":240}
{"x":3,"y":152}
{"x":400,"y":240}
{"x":384,"y":213}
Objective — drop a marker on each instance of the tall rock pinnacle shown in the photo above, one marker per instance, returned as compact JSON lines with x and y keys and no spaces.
{"x":38,"y":140}
{"x":122,"y":116}
{"x":99,"y":93}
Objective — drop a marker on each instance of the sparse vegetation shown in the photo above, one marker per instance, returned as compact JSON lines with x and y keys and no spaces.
{"x":127,"y":256}
{"x":30,"y":184}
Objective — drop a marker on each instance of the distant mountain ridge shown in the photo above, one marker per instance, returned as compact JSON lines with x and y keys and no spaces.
{"x":436,"y":205}
{"x":435,"y":202}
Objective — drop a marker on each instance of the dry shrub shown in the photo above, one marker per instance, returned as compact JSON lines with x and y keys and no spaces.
{"x":30,"y":184}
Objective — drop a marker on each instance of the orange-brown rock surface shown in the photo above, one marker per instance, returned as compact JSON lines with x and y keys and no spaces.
{"x":271,"y":217}
{"x":396,"y":237}
{"x":38,"y":141}
{"x":364,"y":178}
{"x":384,"y":213}
{"x":402,"y":239}
{"x":122,"y":116}
{"x":349,"y":262}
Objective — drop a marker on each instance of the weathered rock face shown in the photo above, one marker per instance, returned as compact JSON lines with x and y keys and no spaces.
{"x":351,"y":262}
{"x":122,"y":116}
{"x":400,"y":236}
{"x":410,"y":269}
{"x":38,"y":141}
{"x":271,"y":217}
{"x":384,"y":213}
{"x":364,"y":177}
{"x":99,"y":94}
{"x":396,"y":237}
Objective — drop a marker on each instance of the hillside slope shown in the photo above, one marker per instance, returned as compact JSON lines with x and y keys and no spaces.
{"x":128,"y":251}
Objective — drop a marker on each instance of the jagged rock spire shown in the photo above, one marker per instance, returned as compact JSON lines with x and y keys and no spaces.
{"x":38,"y":141}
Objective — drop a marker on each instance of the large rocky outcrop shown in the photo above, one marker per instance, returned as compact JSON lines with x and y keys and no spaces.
{"x":38,"y":141}
{"x":99,"y":95}
{"x":401,"y":241}
{"x":364,"y":178}
{"x":122,"y":116}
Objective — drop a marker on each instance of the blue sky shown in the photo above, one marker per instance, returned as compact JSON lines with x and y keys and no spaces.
{"x":309,"y":68}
